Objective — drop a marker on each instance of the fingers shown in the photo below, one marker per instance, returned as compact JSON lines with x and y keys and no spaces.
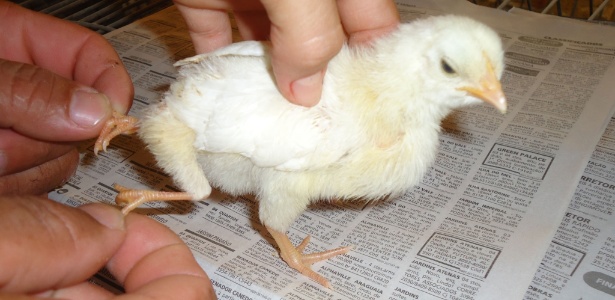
{"x":77,"y":81}
{"x":19,"y":153}
{"x":46,"y":245}
{"x":209,"y":25}
{"x":253,"y":24}
{"x":365,"y":20}
{"x":41,"y":109}
{"x":64,"y":48}
{"x":50,"y":250}
{"x":304,"y":38}
{"x":83,"y":290}
{"x":209,"y":29}
{"x":46,"y":106}
{"x":40,"y":179}
{"x":138,"y":263}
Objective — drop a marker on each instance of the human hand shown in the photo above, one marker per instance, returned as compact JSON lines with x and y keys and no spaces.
{"x":305,"y":35}
{"x":58,"y":83}
{"x":50,"y":250}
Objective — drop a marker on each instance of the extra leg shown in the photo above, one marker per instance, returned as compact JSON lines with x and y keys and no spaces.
{"x":295,"y":258}
{"x":131,"y":199}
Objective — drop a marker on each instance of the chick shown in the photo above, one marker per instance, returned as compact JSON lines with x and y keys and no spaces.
{"x":374,"y":133}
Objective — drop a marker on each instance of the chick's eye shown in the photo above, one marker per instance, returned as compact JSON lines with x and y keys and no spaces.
{"x":447,"y":68}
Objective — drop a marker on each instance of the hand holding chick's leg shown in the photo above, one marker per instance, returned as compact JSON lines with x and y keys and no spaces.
{"x":118,"y":124}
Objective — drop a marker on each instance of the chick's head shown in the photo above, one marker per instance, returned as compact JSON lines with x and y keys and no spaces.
{"x":460,"y":61}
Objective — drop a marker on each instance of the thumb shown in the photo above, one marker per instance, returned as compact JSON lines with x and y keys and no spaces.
{"x":46,"y":245}
{"x":42,"y":105}
{"x":304,"y":38}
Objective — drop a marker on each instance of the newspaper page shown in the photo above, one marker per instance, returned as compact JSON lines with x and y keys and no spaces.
{"x":478,"y":225}
{"x":580,"y":261}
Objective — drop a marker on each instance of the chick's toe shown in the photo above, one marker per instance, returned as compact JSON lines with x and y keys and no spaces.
{"x":295,"y":258}
{"x":118,"y":124}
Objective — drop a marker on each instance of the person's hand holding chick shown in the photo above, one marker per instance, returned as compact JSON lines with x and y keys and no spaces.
{"x":305,"y":35}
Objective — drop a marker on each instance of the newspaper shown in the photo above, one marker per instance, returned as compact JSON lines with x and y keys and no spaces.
{"x":478,"y":226}
{"x":580,"y":261}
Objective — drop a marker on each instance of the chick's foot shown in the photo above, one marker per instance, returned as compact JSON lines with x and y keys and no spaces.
{"x":118,"y":124}
{"x":131,"y":199}
{"x":295,"y":258}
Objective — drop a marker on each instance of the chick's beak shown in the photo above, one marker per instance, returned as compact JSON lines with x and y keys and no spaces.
{"x":489,"y":89}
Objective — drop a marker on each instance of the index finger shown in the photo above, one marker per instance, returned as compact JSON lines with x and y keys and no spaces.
{"x":66,"y":49}
{"x":365,"y":20}
{"x":209,"y":29}
{"x":209,"y":24}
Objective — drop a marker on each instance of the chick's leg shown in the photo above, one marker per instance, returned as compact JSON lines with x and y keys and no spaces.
{"x":295,"y":258}
{"x":133,"y":198}
{"x":171,"y":143}
{"x":118,"y":124}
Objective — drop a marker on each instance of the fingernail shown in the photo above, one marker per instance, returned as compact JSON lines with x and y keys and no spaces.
{"x":307,"y":91}
{"x":106,"y":215}
{"x":89,"y":107}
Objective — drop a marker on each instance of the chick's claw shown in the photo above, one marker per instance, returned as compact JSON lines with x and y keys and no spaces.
{"x":118,"y":124}
{"x":295,"y":258}
{"x":131,"y":199}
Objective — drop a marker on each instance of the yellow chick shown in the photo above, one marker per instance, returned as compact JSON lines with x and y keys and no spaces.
{"x":373,"y":133}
